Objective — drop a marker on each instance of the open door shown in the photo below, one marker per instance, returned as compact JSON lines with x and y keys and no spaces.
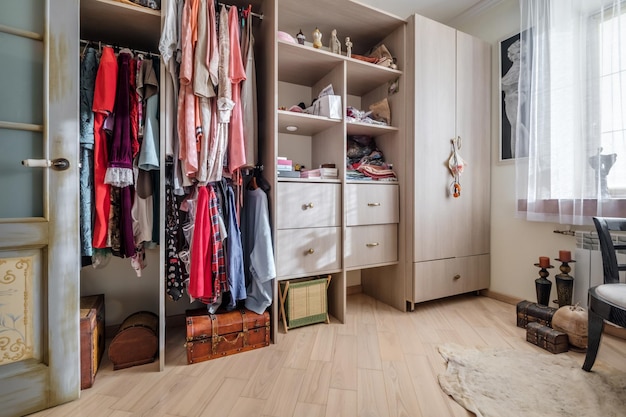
{"x":39,"y":240}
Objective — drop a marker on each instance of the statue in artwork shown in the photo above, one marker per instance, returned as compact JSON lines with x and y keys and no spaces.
{"x":348,"y":47}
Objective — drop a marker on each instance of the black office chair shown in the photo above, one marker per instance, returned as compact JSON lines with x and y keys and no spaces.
{"x":606,"y":301}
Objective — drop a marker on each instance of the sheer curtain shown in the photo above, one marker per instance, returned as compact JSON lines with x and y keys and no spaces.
{"x":570,"y":142}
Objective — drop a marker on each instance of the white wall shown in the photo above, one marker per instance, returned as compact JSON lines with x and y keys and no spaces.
{"x":516,"y":244}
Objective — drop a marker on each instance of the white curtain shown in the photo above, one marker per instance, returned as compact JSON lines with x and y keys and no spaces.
{"x":570,"y":144}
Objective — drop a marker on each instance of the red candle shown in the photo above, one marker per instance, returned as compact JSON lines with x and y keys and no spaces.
{"x":544,"y":261}
{"x":565,"y":256}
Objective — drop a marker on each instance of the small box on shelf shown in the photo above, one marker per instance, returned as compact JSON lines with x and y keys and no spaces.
{"x":328,"y":106}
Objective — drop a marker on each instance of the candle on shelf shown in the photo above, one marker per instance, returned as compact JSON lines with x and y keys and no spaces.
{"x":565,"y":256}
{"x":544,"y":261}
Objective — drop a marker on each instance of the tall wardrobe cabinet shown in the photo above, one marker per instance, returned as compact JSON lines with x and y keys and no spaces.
{"x":449,"y":90}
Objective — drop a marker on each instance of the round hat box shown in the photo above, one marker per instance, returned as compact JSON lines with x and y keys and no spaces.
{"x":573,"y":321}
{"x":136,"y":341}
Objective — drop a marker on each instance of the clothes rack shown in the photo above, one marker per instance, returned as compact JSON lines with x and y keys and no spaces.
{"x":260,"y":16}
{"x":101,"y":44}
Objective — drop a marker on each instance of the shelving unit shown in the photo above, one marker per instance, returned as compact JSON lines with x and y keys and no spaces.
{"x":316,"y":228}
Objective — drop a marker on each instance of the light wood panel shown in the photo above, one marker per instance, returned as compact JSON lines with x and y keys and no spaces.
{"x":388,"y":367}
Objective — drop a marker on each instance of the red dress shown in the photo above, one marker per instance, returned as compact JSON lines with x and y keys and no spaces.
{"x":103,"y":103}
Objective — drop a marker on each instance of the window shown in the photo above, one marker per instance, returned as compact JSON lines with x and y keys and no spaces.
{"x":574,"y":62}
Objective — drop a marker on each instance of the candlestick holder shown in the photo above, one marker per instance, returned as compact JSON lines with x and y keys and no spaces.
{"x":543,"y":285}
{"x":564,"y":283}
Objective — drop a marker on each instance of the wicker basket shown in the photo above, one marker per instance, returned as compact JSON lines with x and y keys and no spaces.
{"x":304,"y":301}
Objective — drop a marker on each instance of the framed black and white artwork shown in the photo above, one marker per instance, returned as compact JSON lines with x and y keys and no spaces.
{"x":510,"y":95}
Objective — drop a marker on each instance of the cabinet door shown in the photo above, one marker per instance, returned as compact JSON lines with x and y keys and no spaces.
{"x":473,"y":127}
{"x":434,"y":215}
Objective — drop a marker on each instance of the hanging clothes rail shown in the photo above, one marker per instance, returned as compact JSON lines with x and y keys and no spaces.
{"x":260,"y":16}
{"x":101,"y":44}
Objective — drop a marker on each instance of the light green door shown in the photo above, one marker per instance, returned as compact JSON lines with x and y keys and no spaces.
{"x":39,"y":242}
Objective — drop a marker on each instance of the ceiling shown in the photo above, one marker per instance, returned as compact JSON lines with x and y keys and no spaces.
{"x":439,"y":10}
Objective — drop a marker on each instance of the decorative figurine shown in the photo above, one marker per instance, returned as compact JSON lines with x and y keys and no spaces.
{"x":335,"y":45}
{"x":300,"y":37}
{"x":317,"y":38}
{"x":348,"y":47}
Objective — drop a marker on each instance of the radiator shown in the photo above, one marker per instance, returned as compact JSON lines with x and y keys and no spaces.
{"x":587,"y":270}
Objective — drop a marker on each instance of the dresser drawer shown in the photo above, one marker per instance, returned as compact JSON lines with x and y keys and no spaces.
{"x":308,"y":205}
{"x":308,"y":251}
{"x":371,"y":245}
{"x":446,"y":277}
{"x":371,"y":204}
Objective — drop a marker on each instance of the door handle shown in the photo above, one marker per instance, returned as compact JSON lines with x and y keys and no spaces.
{"x":59,"y":164}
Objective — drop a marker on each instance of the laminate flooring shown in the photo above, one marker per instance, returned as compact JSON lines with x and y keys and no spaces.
{"x":380,"y":362}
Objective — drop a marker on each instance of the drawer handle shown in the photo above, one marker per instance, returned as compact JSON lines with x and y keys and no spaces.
{"x":311,"y":251}
{"x":457,"y":276}
{"x":373,"y":204}
{"x":307,"y":206}
{"x":371,"y":245}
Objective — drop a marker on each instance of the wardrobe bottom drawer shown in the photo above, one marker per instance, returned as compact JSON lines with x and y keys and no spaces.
{"x":371,"y":245}
{"x":446,"y":277}
{"x":311,"y":251}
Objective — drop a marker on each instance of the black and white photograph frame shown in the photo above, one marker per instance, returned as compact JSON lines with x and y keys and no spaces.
{"x":509,"y":67}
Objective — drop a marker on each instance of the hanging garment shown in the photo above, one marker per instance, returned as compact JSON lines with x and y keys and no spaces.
{"x":175,"y":274}
{"x":103,"y":104}
{"x":149,"y":153}
{"x":225,"y":103}
{"x":258,"y":253}
{"x":207,"y":277}
{"x":236,"y":74}
{"x":120,"y":170}
{"x":236,"y":275}
{"x":88,"y":72}
{"x":248,"y":95}
{"x":186,"y":100}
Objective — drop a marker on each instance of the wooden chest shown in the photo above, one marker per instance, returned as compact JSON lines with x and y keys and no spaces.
{"x":549,"y":339}
{"x":136,"y":342}
{"x":529,"y":312}
{"x":211,"y":336}
{"x":91,"y":337}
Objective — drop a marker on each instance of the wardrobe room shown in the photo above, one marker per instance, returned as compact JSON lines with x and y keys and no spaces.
{"x":289,"y":208}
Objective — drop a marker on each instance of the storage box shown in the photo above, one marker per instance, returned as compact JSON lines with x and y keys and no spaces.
{"x":91,"y":338}
{"x":211,"y":336}
{"x":328,"y":106}
{"x":549,"y":339}
{"x":529,"y":312}
{"x":304,"y":301}
{"x":136,"y":342}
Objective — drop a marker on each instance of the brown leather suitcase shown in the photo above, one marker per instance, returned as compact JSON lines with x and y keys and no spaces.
{"x":549,"y":339}
{"x":529,"y":312}
{"x":91,"y":337}
{"x":211,"y":336}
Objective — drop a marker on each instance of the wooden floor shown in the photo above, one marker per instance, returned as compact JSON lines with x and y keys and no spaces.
{"x":381,"y":362}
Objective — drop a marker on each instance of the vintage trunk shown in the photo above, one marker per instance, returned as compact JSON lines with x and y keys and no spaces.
{"x":211,"y":336}
{"x":91,"y":338}
{"x":529,"y":312}
{"x":549,"y":339}
{"x":136,"y":342}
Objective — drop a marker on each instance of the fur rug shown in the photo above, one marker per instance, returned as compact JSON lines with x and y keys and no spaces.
{"x":509,"y":383}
